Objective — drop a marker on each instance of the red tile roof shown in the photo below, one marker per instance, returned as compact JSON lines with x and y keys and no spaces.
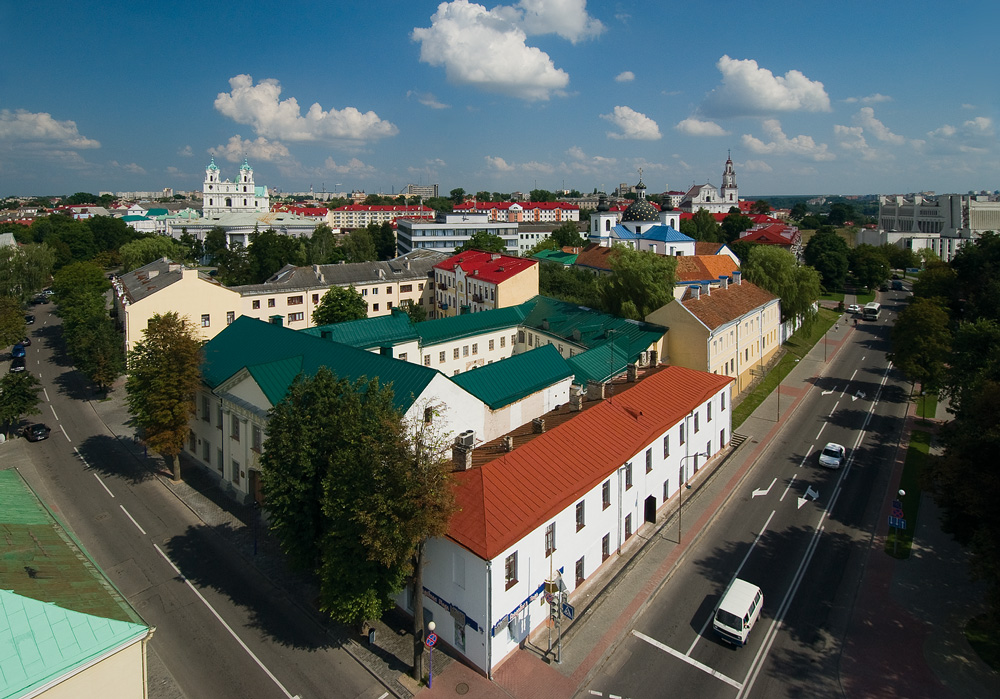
{"x":692,"y":268}
{"x":505,"y":205}
{"x":726,"y":305}
{"x":300,"y":210}
{"x":487,"y":266}
{"x":506,"y":499}
{"x":703,"y":248}
{"x":408,"y":209}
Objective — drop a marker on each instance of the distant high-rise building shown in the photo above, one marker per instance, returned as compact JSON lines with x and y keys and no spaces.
{"x":421,"y":190}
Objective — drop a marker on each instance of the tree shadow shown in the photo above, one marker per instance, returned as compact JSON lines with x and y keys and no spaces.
{"x":50,"y":336}
{"x":117,"y":458}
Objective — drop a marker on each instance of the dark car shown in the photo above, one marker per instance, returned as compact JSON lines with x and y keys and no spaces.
{"x":26,"y":342}
{"x":17,"y":364}
{"x":29,"y":319}
{"x":37,"y":432}
{"x":17,"y":350}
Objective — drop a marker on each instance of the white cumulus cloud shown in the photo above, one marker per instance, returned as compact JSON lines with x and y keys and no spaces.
{"x":625,"y":77}
{"x":634,"y":125}
{"x":186,"y":152}
{"x":566,"y":18}
{"x":755,"y":166}
{"x":427,"y":99}
{"x":499,"y":164}
{"x":866,"y":119}
{"x":697,"y":127}
{"x":40,"y":130}
{"x":351,"y":167}
{"x":747,"y":89}
{"x":260,"y":107}
{"x":870,"y":99}
{"x":485,"y":49}
{"x":852,"y":138}
{"x":260,"y":149}
{"x":780,"y":144}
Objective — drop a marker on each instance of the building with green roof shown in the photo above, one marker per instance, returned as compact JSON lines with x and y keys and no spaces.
{"x":64,"y":628}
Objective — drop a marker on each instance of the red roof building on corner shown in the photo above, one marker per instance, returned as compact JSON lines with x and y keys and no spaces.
{"x":475,"y":281}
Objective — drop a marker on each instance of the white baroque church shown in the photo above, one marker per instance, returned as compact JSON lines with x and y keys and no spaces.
{"x":717,"y":200}
{"x":241,"y":197}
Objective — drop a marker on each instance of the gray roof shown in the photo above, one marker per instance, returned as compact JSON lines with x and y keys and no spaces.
{"x":148,"y":279}
{"x":413,"y":265}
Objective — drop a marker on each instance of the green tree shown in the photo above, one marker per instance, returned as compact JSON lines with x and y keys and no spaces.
{"x":701,"y":226}
{"x":827,"y":252}
{"x":900,"y":257}
{"x":80,"y":198}
{"x":384,"y":239}
{"x":440,"y":203}
{"x":359,"y":247}
{"x":542,"y":195}
{"x":974,"y":360}
{"x":569,"y":284}
{"x":483,"y":196}
{"x":457,"y":195}
{"x":977,"y":266}
{"x":99,"y":353}
{"x":937,"y":280}
{"x":164,"y":373}
{"x":799,"y":211}
{"x":734,"y":224}
{"x":481,"y":240}
{"x":640,"y":282}
{"x":567,"y":235}
{"x":11,"y":321}
{"x":322,"y":248}
{"x":840,"y":214}
{"x":110,"y":233}
{"x":18,"y":398}
{"x":270,"y":251}
{"x":761,"y":206}
{"x":24,"y":270}
{"x":869,"y":265}
{"x":776,"y":270}
{"x":417,"y":313}
{"x":194,"y":249}
{"x":340,"y":304}
{"x":921,"y":343}
{"x":216,"y":245}
{"x":145,"y":250}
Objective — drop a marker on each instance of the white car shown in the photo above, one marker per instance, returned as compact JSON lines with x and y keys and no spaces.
{"x":854,"y":308}
{"x":832,"y":455}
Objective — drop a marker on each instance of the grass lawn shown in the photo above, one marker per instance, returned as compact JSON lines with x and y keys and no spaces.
{"x":985,"y":640}
{"x":866,"y":297}
{"x":898,"y":543}
{"x":835,"y":296}
{"x":796,"y":348}
{"x":926,"y":405}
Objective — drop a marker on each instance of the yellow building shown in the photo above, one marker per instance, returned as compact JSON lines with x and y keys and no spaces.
{"x":727,"y":330}
{"x":474,"y":281}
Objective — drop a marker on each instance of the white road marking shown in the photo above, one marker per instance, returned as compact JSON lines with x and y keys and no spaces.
{"x":691,"y":661}
{"x":789,"y":487}
{"x":821,"y":430}
{"x":834,"y":408}
{"x":758,"y":491}
{"x":106,"y":488}
{"x":805,"y":498}
{"x":224,"y":624}
{"x":46,"y":393}
{"x":803,"y":462}
{"x":133,"y":520}
{"x":53,"y":412}
{"x":64,"y":433}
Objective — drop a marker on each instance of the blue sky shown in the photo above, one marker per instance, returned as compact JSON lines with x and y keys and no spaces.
{"x":839,"y":98}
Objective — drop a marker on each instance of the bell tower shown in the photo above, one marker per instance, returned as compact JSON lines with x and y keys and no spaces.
{"x":730,"y":192}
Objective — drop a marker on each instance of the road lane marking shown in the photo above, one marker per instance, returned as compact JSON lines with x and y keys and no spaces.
{"x":834,"y":408}
{"x":821,"y":430}
{"x":225,"y":625}
{"x":52,"y":408}
{"x":106,"y":487}
{"x":46,"y":393}
{"x":810,"y":451}
{"x":787,"y":488}
{"x":691,"y":661}
{"x":64,"y":433}
{"x":133,"y":520}
{"x":758,"y":491}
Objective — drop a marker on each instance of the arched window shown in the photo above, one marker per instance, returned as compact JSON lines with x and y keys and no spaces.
{"x":229,"y":201}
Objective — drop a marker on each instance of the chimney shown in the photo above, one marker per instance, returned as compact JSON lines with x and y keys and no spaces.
{"x":595,"y":390}
{"x":381,"y":273}
{"x":724,"y":282}
{"x":407,"y":262}
{"x":461,"y":457}
{"x":695,"y":292}
{"x":737,"y":277}
{"x":173,"y":267}
{"x":508,"y":443}
{"x":538,"y":425}
{"x":707,"y":289}
{"x":576,"y":401}
{"x":633,"y":372}
{"x":495,"y":256}
{"x":654,"y":357}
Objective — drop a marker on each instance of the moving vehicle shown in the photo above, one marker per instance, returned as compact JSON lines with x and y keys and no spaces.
{"x":897,"y":284}
{"x":26,"y":342}
{"x":854,"y":308}
{"x":37,"y":432}
{"x":29,"y":319}
{"x":871,"y":310}
{"x":17,"y":364}
{"x":832,"y":455}
{"x":738,"y":612}
{"x":18,"y":350}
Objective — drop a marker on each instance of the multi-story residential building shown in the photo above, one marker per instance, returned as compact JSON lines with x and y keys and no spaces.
{"x":523,"y":212}
{"x":727,"y":330}
{"x":940,"y":223}
{"x":451,"y":230}
{"x":474,"y":281}
{"x":240,"y":197}
{"x":421,"y":190}
{"x":360,"y":215}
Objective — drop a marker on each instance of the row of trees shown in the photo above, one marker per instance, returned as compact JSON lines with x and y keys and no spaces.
{"x":948,"y":339}
{"x":830,"y":255}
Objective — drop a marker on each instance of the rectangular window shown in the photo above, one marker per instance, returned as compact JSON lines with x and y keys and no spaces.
{"x":491,"y":345}
{"x":206,"y":452}
{"x":510,"y":570}
{"x":388,"y":305}
{"x":270,"y":303}
{"x":722,"y":398}
{"x":550,"y":539}
{"x":256,"y":439}
{"x":503,"y":340}
{"x":696,"y":427}
{"x":405,"y":288}
{"x":649,"y":459}
{"x":681,"y":440}
{"x":579,"y":572}
{"x":236,"y":472}
{"x":666,"y":490}
{"x":475,"y":348}
{"x":364,"y":292}
{"x":456,"y":353}
{"x":297,"y":316}
{"x":708,"y":416}
{"x":459,"y":640}
{"x":219,"y":463}
{"x":441,"y":357}
{"x":605,"y":547}
{"x":581,"y":515}
{"x":374,"y":291}
{"x":230,"y":317}
{"x":294,"y":300}
{"x":315,"y":298}
{"x":465,"y":350}
{"x":628,"y":475}
{"x":531,"y":340}
{"x":628,"y":526}
{"x":218,"y":416}
{"x":402,"y":356}
{"x":374,"y":306}
{"x":666,"y":445}
{"x":206,"y":410}
{"x":427,"y":360}
{"x":255,"y":304}
{"x":206,"y":320}
{"x":192,"y":441}
{"x":388,"y":290}
{"x":234,"y":423}
{"x":606,"y":495}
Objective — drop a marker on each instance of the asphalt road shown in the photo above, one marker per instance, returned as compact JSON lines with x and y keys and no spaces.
{"x":797,"y":530}
{"x":222,"y":630}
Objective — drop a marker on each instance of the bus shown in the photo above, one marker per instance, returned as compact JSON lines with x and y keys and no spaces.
{"x":871,"y":310}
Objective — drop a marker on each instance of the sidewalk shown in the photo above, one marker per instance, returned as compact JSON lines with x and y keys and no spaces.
{"x":932,"y":582}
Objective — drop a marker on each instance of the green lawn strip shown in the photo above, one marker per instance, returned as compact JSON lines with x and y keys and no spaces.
{"x":898,"y":543}
{"x":797,"y":346}
{"x":985,"y":640}
{"x":864,"y":298}
{"x":926,"y":405}
{"x":836,"y":296}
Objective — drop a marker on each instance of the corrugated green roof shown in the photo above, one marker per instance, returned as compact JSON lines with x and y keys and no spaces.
{"x":434,"y":331}
{"x":369,"y":332}
{"x":274,"y":355}
{"x":57,"y":610}
{"x":600,"y":363}
{"x":564,"y":258}
{"x":587,"y":327}
{"x":502,"y":383}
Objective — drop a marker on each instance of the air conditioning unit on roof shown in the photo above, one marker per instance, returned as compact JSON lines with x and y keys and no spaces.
{"x":467,"y":438}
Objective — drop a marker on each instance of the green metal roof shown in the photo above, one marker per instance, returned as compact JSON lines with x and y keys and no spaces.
{"x":369,"y":332}
{"x":566,"y":259}
{"x":57,"y":610}
{"x":587,"y":327}
{"x":274,"y":355}
{"x":600,"y":363}
{"x":505,"y":382}
{"x":432,"y":332}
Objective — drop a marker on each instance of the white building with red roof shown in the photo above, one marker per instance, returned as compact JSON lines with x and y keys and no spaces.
{"x":564,"y":503}
{"x":523,"y":212}
{"x":360,"y":215}
{"x":474,"y":281}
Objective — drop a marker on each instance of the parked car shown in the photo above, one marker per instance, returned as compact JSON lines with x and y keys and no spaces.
{"x":48,"y":292}
{"x":895,"y":276}
{"x":37,"y":432}
{"x":854,"y":308}
{"x":832,"y":455}
{"x":17,"y":350}
{"x":17,"y":364}
{"x":26,"y":342}
{"x":29,"y":319}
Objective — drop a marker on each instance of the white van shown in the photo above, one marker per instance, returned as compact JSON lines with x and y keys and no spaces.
{"x":738,"y":612}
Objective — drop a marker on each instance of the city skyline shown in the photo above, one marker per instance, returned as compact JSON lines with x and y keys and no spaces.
{"x":551,"y":94}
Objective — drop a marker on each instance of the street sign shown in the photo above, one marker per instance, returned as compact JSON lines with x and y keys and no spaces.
{"x":897,"y":522}
{"x":568,"y":610}
{"x":431,"y":639}
{"x":897,"y":504}
{"x":897,"y":512}
{"x":549,"y":597}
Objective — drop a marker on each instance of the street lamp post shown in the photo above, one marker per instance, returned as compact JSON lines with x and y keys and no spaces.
{"x":680,"y":492}
{"x":430,"y":641}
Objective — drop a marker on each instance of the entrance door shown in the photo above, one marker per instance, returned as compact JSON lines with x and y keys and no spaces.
{"x":650,"y":509}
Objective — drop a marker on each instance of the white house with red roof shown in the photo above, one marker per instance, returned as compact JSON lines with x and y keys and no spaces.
{"x":360,"y":215}
{"x":562,"y":504}
{"x":523,"y":212}
{"x":474,"y":281}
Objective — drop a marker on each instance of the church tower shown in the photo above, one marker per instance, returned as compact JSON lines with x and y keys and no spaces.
{"x":601,"y":223}
{"x":730,"y":192}
{"x":221,"y":197}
